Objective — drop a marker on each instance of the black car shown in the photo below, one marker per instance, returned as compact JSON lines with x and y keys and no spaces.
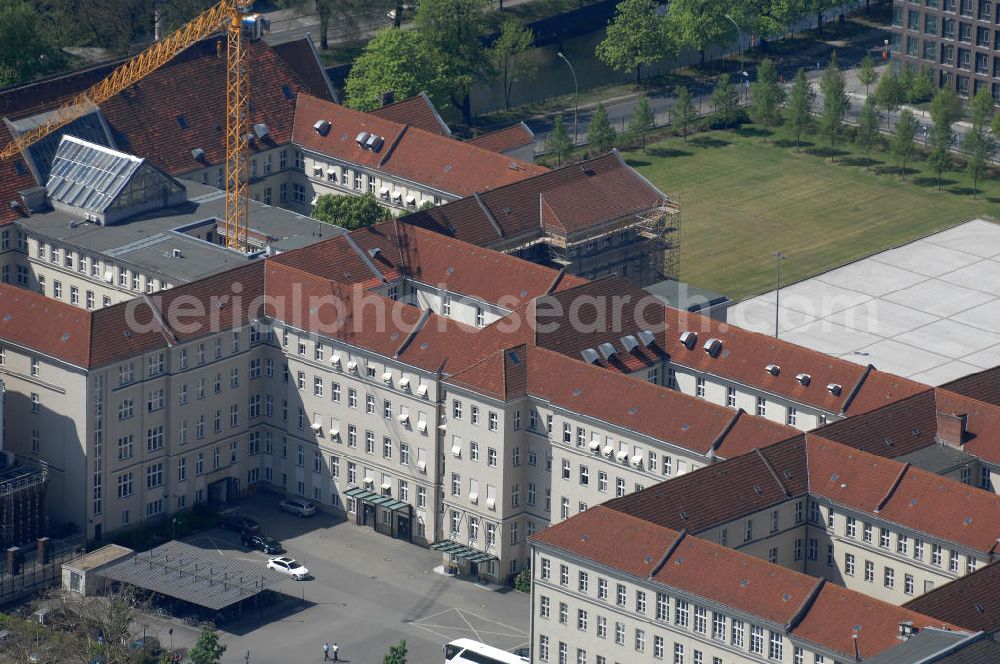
{"x":240,"y":524}
{"x":261,"y":542}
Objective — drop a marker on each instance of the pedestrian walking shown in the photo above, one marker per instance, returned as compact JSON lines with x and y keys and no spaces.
{"x":326,"y":652}
{"x":336,"y":652}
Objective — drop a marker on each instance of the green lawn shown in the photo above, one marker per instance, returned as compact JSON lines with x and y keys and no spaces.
{"x":742,"y":200}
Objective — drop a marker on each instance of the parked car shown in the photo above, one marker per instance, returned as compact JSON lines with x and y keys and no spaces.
{"x":299,"y":506}
{"x":239,"y":523}
{"x":261,"y":542}
{"x":289,"y":566}
{"x":149,"y":645}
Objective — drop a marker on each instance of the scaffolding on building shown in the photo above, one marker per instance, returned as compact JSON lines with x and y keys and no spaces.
{"x":662,"y":227}
{"x":22,"y":502}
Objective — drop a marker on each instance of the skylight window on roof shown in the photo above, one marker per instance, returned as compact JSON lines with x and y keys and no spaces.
{"x":287,"y":91}
{"x":20,"y":168}
{"x":514,"y":357}
{"x":182,"y":122}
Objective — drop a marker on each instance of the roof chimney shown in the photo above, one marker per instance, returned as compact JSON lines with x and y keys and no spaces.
{"x":34,"y":199}
{"x":906,"y":630}
{"x":951,"y":428}
{"x":388,"y":98}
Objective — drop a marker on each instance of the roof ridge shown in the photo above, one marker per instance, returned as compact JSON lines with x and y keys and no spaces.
{"x":806,"y":604}
{"x":726,"y":430}
{"x":363,"y":255}
{"x":425,"y":314}
{"x":392,"y":146}
{"x":669,"y":552}
{"x":489,"y":214}
{"x":168,"y":334}
{"x":857,"y":388}
{"x":892,"y":487}
{"x":556,"y":281}
{"x":774,"y":473}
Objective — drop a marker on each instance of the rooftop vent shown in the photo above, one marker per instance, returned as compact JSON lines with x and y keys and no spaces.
{"x":834,"y":389}
{"x":607,"y":350}
{"x":689,"y":339}
{"x":906,"y":629}
{"x":803,"y":378}
{"x":374,"y":143}
{"x":362,"y":138}
{"x":374,"y":251}
{"x":589,"y":355}
{"x":176,"y":253}
{"x":261,"y":130}
{"x":773,"y":369}
{"x":629,"y":342}
{"x":322,"y":127}
{"x":198,"y":154}
{"x":646,"y":337}
{"x":712,"y":347}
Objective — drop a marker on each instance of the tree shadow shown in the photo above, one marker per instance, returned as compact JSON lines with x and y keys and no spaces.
{"x":962,"y":191}
{"x":931,"y":181}
{"x":668,"y":152}
{"x":825,"y":152}
{"x":859,"y":161}
{"x":790,"y":143}
{"x":993,"y":199}
{"x":752,"y":132}
{"x":637,"y":163}
{"x":708,"y":142}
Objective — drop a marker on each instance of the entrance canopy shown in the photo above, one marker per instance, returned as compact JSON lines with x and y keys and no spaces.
{"x":199,"y":576}
{"x":372,"y":498}
{"x":461,"y":551}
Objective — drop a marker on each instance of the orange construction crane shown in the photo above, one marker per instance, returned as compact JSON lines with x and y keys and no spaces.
{"x":227,"y":15}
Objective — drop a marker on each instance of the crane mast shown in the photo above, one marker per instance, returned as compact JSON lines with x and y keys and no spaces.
{"x":226,"y":16}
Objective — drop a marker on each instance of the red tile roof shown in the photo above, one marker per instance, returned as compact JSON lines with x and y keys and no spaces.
{"x":972,"y":601}
{"x":511,"y":214}
{"x":34,"y":321}
{"x":408,"y":152}
{"x":11,"y":180}
{"x":983,"y":386}
{"x":301,"y":55}
{"x":815,"y":611}
{"x":509,"y":138}
{"x":417,"y":111}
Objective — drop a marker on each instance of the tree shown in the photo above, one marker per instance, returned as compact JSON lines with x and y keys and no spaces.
{"x":867,"y":134}
{"x":766,"y":97}
{"x":921,"y":86}
{"x":698,"y":24}
{"x":348,"y":211}
{"x":867,"y":74}
{"x":945,"y":109}
{"x":800,"y":106}
{"x":25,"y":48}
{"x":207,"y":650}
{"x":642,"y":122}
{"x":395,"y":61}
{"x":889,"y":95}
{"x":600,"y":133}
{"x":684,"y":113}
{"x":636,"y":37}
{"x":397,"y":654}
{"x":510,"y":57}
{"x":522,"y":582}
{"x":903,"y":147}
{"x":836,"y":103}
{"x":979,"y":141}
{"x":350,"y":16}
{"x":725,"y":102}
{"x":559,"y":142}
{"x":451,"y":29}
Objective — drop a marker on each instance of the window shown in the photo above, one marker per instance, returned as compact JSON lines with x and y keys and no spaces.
{"x":566,"y":469}
{"x":581,"y":620}
{"x":849,"y":564}
{"x":640,"y":640}
{"x":491,"y":457}
{"x":851,"y":527}
{"x":602,"y":627}
{"x":619,"y":487}
{"x":869,"y":571}
{"x":761,"y":406}
{"x":775,"y":646}
{"x":699,"y":387}
{"x":494,"y":421}
{"x":737,"y":637}
{"x":620,"y":595}
{"x":584,"y":475}
{"x":936,"y":555}
{"x":756,"y":640}
{"x":748,"y":530}
{"x":731,"y":397}
{"x":908,"y":584}
{"x":775,"y":521}
{"x":953,"y":560}
{"x":563,"y":613}
{"x":700,"y":624}
{"x":602,"y":481}
{"x":866,"y":534}
{"x":543,"y":606}
{"x":681,"y":613}
{"x":889,"y":579}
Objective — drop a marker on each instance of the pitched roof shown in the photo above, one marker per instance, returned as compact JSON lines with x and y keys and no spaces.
{"x":301,"y":55}
{"x":509,"y":138}
{"x":145,"y":118}
{"x":822,"y":613}
{"x":972,"y":601}
{"x":417,"y":111}
{"x":982,"y":386}
{"x":14,"y":177}
{"x":512,"y":213}
{"x":52,"y":327}
{"x":408,"y":152}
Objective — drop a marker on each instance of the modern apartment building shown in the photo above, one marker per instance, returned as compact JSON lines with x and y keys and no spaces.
{"x":959,"y":40}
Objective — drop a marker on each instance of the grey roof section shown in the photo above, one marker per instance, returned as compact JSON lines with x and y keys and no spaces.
{"x":147,"y":241}
{"x":89,"y":176}
{"x":937,"y":458}
{"x":200,"y":576}
{"x":681,"y":295}
{"x":983,"y":651}
{"x":90,"y":127}
{"x":931,"y":645}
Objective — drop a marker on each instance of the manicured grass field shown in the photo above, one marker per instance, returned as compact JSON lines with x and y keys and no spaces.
{"x":742,"y":200}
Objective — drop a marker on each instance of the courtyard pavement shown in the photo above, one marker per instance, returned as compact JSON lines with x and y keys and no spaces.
{"x":928,"y":310}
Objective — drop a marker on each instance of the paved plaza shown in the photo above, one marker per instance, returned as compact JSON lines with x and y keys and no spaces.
{"x":928,"y":310}
{"x":366,"y":592}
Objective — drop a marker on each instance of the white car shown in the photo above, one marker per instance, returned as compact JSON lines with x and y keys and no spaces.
{"x":288,"y":566}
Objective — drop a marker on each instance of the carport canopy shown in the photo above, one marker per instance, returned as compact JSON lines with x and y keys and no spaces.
{"x":199,"y":576}
{"x":456,"y":550}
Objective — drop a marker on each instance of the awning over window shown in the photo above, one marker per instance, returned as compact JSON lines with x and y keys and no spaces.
{"x":461,"y":551}
{"x":388,"y":502}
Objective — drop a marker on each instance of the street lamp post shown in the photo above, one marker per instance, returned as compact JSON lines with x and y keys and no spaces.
{"x":778,"y":257}
{"x":739,"y":34}
{"x":576,"y":103}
